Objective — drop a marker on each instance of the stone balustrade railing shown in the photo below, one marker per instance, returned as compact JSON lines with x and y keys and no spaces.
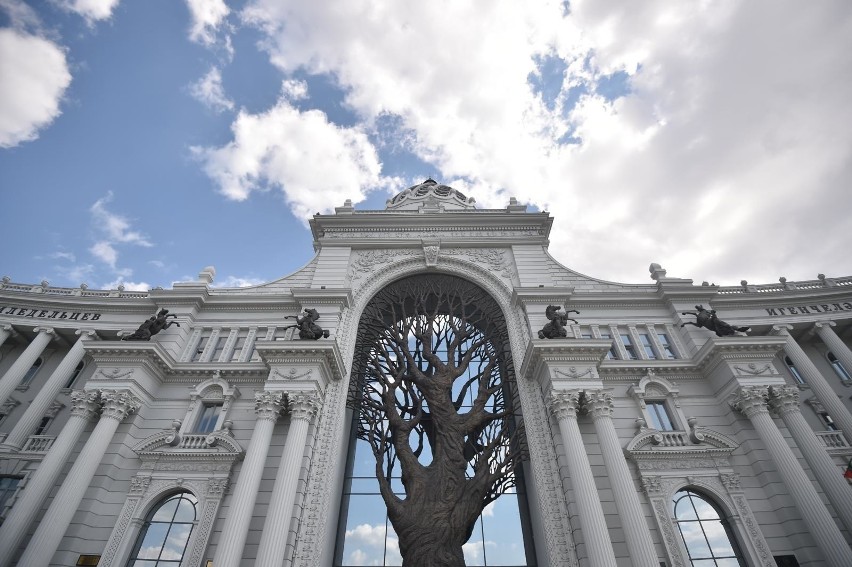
{"x":38,"y":444}
{"x":833,"y":439}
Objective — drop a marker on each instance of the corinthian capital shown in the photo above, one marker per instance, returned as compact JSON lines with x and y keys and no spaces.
{"x":267,"y":405}
{"x":750,"y":400}
{"x":118,"y":404}
{"x":303,"y":405}
{"x":85,"y":404}
{"x":598,"y":403}
{"x":564,"y":404}
{"x":784,"y":399}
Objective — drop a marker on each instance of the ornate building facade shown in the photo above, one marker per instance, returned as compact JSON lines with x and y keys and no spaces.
{"x":227,"y":440}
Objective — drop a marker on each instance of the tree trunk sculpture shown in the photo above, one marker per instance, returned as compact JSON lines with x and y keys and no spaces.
{"x":435,"y":405}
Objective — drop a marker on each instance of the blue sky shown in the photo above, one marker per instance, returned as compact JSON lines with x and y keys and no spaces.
{"x":143,"y":140}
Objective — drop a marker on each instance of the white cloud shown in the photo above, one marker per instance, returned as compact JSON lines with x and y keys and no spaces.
{"x":34,"y":75}
{"x":373,"y":538}
{"x":128,"y":286}
{"x":105,"y":252}
{"x":91,"y":10}
{"x":742,"y":104}
{"x":59,"y":255}
{"x":116,"y":227}
{"x":209,"y":91}
{"x":315,"y":163}
{"x":207,"y":17}
{"x":235,"y":281}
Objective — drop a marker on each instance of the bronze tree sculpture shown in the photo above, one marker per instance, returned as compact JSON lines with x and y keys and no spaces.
{"x":432,"y":387}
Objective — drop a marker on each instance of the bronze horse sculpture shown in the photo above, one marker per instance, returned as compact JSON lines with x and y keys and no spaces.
{"x":152,"y":326}
{"x":308,"y":329}
{"x":558,"y":320}
{"x":707,"y":318}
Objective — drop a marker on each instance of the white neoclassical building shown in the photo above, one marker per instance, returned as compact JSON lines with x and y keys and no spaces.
{"x":226,"y":440}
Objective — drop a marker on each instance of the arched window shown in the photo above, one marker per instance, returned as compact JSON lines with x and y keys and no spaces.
{"x":705,"y":531}
{"x":430,"y":348}
{"x":838,"y":368}
{"x":797,"y":376}
{"x":74,"y":374}
{"x":165,"y":534}
{"x":28,"y":377}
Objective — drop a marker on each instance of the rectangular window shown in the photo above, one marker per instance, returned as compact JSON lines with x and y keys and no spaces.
{"x":668,"y":352}
{"x":8,"y":486}
{"x":611,"y":354}
{"x":628,"y":346}
{"x":659,"y":414}
{"x":209,"y":417}
{"x":646,"y":344}
{"x":42,"y":426}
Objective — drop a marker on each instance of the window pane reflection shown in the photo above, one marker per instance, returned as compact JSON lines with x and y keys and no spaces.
{"x":705,"y":532}
{"x":165,"y":534}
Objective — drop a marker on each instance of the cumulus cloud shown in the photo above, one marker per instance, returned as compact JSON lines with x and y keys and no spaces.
{"x":208,"y":16}
{"x":731,"y":121}
{"x":91,"y":10}
{"x":315,"y":163}
{"x":34,"y":75}
{"x":209,"y":91}
{"x":105,"y":252}
{"x":379,"y":550}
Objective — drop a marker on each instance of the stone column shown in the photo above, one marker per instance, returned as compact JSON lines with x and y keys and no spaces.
{"x":817,"y":382}
{"x":84,"y":408}
{"x":45,"y":541}
{"x":6,"y":331}
{"x":564,"y":406}
{"x":835,"y":344}
{"x":752,"y":402}
{"x":47,"y":394}
{"x":636,"y":532}
{"x":785,"y":402}
{"x":229,"y":551}
{"x":273,"y":540}
{"x":17,"y":371}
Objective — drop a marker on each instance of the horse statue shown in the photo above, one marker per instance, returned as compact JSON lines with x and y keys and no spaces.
{"x":152,"y":326}
{"x":558,"y":319}
{"x":308,"y":329}
{"x":707,"y":318}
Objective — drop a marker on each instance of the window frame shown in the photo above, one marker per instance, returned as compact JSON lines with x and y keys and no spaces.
{"x":661,"y":403}
{"x":839,"y":369}
{"x":794,"y":372}
{"x":149,"y":520}
{"x":31,"y":373}
{"x":722,"y":519}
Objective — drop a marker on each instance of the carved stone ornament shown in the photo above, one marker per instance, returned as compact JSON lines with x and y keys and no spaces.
{"x":139,"y":484}
{"x":268,"y":405}
{"x":750,"y":400}
{"x":118,"y":404}
{"x":431,"y":254}
{"x":564,"y":404}
{"x":599,"y":404}
{"x":85,"y":404}
{"x":784,"y":399}
{"x":574,"y":374}
{"x":754,"y":370}
{"x":292,"y":374}
{"x":303,"y":405}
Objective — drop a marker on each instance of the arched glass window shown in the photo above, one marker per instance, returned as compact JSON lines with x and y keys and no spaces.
{"x":430,"y":348}
{"x":841,"y":372}
{"x":797,"y":376}
{"x":705,"y":531}
{"x":74,"y":374}
{"x":164,"y":536}
{"x":28,"y":377}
